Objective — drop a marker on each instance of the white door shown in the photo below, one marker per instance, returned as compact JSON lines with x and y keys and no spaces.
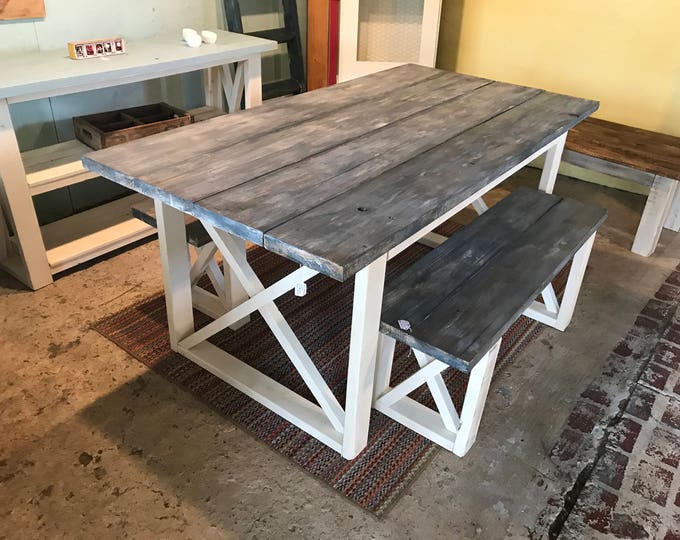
{"x":380,"y":34}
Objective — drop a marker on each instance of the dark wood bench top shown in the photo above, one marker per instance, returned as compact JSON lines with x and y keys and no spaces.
{"x":460,"y":298}
{"x":335,"y":178}
{"x":196,"y":233}
{"x":648,"y":151}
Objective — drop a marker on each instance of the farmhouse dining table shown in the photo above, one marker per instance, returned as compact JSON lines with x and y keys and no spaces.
{"x":339,"y":180}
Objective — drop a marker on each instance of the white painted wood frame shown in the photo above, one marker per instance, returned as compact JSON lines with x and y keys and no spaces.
{"x":658,"y":207}
{"x":29,"y":264}
{"x":444,"y":426}
{"x":551,"y":165}
{"x":349,"y":67}
{"x":344,"y":430}
{"x":673,"y":219}
{"x":662,"y":209}
{"x":558,"y":314}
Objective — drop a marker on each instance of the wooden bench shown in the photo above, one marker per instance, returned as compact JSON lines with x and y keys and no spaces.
{"x":645,"y":157}
{"x":453,"y":305}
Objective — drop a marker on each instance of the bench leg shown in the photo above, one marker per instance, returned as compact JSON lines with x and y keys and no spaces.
{"x":444,"y":427}
{"x":475,"y":398}
{"x":574,"y":281}
{"x":383,"y":365}
{"x":559,"y":315}
{"x":673,"y":219}
{"x":658,"y":206}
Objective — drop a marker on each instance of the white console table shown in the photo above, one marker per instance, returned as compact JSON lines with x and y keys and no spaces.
{"x":33,"y":254}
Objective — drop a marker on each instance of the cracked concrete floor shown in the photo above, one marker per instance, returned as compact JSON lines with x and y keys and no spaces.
{"x":93,"y":444}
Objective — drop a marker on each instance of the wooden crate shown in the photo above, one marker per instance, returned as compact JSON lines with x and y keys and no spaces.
{"x":106,"y":129}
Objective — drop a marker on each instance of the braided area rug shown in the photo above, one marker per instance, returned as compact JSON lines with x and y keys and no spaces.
{"x":321,"y":320}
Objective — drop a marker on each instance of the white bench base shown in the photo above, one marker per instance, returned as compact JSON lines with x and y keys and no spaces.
{"x":662,"y":209}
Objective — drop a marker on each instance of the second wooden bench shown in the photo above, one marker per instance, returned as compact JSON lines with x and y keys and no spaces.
{"x":637,"y":155}
{"x":454,"y":304}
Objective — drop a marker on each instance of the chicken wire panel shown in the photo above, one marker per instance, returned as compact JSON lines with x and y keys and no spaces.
{"x":390,"y":30}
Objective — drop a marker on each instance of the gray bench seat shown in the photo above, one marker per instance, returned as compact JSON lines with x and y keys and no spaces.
{"x":453,"y":305}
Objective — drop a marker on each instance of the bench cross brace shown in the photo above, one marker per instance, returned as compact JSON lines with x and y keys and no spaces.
{"x":558,"y":314}
{"x":445,"y":426}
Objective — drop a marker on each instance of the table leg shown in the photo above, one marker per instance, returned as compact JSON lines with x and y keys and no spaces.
{"x":212,"y":87}
{"x":368,"y":291}
{"x":553,"y":157}
{"x":176,"y":272}
{"x":252,"y":75}
{"x":17,"y":204}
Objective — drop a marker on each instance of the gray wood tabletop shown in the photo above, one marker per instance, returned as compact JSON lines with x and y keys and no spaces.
{"x":335,"y":178}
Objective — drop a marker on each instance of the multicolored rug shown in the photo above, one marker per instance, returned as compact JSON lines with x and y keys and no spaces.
{"x":321,"y":320}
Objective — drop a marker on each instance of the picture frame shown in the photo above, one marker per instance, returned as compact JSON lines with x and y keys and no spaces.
{"x":79,"y":50}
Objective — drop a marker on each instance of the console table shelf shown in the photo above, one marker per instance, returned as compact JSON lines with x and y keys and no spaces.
{"x":55,"y":166}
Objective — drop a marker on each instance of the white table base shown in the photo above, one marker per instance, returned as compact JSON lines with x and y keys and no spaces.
{"x":343,"y":429}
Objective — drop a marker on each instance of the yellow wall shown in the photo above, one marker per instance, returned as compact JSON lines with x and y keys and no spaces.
{"x":624,"y":53}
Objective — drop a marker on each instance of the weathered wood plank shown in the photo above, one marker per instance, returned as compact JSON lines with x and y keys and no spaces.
{"x":501,"y":262}
{"x":374,"y":217}
{"x":275,"y":198}
{"x":644,"y":150}
{"x":256,"y":156}
{"x":148,"y":159}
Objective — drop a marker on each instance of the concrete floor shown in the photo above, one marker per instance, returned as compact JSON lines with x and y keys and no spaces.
{"x":95,"y":445}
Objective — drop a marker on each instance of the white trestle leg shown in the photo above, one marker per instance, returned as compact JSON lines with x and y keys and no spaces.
{"x":229,"y":292}
{"x":475,"y":398}
{"x":558,"y":315}
{"x":343,"y":430}
{"x":551,"y":166}
{"x":550,"y":299}
{"x":234,"y":293}
{"x":176,"y":272}
{"x":204,"y":301}
{"x":368,"y":292}
{"x":445,"y":426}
